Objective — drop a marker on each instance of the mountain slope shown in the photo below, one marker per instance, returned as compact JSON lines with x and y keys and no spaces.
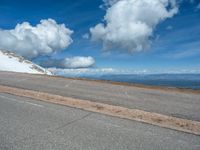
{"x":11,"y":62}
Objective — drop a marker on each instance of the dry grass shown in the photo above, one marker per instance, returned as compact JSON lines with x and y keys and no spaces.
{"x":179,"y":124}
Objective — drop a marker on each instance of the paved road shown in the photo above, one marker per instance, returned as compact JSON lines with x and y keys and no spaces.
{"x":27,"y":124}
{"x":183,"y":105}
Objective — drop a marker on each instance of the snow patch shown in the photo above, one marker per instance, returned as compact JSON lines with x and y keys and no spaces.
{"x":14,"y":63}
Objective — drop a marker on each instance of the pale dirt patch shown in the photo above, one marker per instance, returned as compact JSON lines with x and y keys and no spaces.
{"x":161,"y":120}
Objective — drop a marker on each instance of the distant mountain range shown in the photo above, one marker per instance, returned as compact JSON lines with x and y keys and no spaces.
{"x":171,"y":80}
{"x":11,"y":62}
{"x":190,"y":81}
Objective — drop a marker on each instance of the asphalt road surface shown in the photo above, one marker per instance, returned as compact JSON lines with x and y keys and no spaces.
{"x":177,"y":104}
{"x":28,"y":124}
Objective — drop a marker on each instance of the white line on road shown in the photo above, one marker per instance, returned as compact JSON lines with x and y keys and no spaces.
{"x":67,"y":85}
{"x":22,"y":102}
{"x":34,"y":104}
{"x":20,"y":80}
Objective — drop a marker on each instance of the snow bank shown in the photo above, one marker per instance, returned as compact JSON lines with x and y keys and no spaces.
{"x":11,"y":62}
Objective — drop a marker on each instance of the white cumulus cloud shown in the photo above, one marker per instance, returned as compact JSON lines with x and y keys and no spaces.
{"x":78,"y":62}
{"x":130,"y":24}
{"x":30,"y":41}
{"x":109,"y":2}
{"x":70,"y":62}
{"x":198,"y":6}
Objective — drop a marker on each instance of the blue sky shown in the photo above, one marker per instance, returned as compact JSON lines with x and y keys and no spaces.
{"x":175,"y":43}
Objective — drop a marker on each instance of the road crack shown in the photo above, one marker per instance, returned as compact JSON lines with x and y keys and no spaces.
{"x":71,"y":122}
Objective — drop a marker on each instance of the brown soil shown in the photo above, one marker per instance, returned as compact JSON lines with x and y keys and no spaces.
{"x":161,"y":120}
